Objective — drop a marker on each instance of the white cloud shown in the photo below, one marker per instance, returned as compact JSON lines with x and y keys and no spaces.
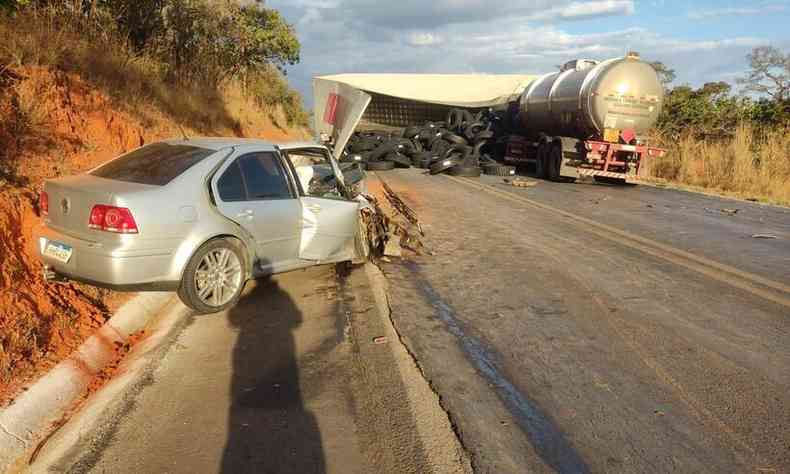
{"x":737,"y":11}
{"x":425,"y":39}
{"x":465,"y":36}
{"x":578,"y":10}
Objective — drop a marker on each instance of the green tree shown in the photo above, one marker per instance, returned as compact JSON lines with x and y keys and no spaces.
{"x":665,"y":74}
{"x":769,"y":74}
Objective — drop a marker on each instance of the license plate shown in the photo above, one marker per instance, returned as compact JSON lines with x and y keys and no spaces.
{"x":58,"y":251}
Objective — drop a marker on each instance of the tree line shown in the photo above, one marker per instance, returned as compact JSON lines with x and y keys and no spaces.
{"x":715,"y":110}
{"x":199,"y":41}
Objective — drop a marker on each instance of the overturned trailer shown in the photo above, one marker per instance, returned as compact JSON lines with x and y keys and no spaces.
{"x":588,"y":119}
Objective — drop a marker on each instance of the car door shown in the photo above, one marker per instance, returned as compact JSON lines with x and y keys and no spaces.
{"x":254,"y":190}
{"x":329,"y":218}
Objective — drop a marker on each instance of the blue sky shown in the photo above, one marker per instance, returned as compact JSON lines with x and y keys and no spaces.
{"x":702,"y":40}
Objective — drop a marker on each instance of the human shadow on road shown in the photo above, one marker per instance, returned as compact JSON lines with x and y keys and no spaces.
{"x":270,"y":430}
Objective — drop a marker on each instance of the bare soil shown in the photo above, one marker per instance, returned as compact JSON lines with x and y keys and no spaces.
{"x":54,"y":124}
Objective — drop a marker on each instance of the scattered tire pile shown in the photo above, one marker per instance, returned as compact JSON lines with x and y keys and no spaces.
{"x":458,"y":146}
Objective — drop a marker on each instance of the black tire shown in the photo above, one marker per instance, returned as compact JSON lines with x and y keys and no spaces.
{"x":381,"y":151}
{"x":188,"y":291}
{"x":444,"y":164}
{"x":411,"y":132}
{"x":540,"y":162}
{"x":554,"y":162}
{"x":499,"y":170}
{"x":439,"y":146}
{"x":454,"y":139}
{"x":466,"y":118}
{"x":399,"y":159}
{"x":466,"y":171}
{"x":380,"y":165}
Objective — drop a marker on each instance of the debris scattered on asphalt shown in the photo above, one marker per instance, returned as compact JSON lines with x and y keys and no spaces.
{"x":521,"y":183}
{"x":392,"y":247}
{"x":764,"y":236}
{"x":380,"y":340}
{"x":728,"y":212}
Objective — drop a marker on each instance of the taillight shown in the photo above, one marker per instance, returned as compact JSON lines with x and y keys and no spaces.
{"x":43,"y":203}
{"x":112,"y":219}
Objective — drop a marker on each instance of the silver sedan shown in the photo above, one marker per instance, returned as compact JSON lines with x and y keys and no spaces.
{"x":201,"y":217}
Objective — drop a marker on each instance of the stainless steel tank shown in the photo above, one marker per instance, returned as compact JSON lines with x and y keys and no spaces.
{"x":585,"y":97}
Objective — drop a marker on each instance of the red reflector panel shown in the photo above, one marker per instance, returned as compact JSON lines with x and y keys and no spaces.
{"x":43,"y":203}
{"x":331,"y":109}
{"x":112,"y":219}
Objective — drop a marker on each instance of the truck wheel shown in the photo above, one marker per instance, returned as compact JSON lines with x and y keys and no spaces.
{"x":214,"y":277}
{"x":540,"y":162}
{"x":554,"y":161}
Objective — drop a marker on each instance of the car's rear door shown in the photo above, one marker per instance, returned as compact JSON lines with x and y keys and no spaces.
{"x":253,"y":188}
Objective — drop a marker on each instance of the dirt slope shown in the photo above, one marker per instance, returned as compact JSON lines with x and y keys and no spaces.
{"x":73,"y":128}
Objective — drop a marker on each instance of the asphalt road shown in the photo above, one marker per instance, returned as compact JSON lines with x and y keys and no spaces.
{"x":288,"y":381}
{"x":591,"y":328}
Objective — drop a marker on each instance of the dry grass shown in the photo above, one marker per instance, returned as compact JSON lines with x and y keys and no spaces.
{"x":89,"y":48}
{"x":753,"y":164}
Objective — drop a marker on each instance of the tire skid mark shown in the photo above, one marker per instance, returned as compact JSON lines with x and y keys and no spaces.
{"x":546,"y":437}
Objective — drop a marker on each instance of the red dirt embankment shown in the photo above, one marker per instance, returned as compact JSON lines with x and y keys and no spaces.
{"x":76,"y":128}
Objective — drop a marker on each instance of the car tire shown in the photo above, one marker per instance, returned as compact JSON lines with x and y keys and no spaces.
{"x":380,"y":165}
{"x":454,"y":139}
{"x":465,"y":171}
{"x":444,"y":164}
{"x":400,"y":160}
{"x":194,"y":295}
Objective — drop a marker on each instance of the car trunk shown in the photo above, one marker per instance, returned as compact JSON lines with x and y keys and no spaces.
{"x":72,"y":198}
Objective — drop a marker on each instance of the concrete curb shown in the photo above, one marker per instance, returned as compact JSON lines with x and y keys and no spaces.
{"x":29,"y":416}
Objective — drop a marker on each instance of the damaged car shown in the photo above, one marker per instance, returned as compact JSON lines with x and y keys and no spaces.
{"x":201,"y":217}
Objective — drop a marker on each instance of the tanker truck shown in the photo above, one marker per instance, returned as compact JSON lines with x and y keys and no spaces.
{"x":588,"y":119}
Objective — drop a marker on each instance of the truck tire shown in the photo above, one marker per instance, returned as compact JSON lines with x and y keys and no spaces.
{"x":553,"y":161}
{"x":222,"y":264}
{"x":380,"y":165}
{"x":540,"y":162}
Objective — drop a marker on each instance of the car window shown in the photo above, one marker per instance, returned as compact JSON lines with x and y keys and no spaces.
{"x":315,"y":173}
{"x":264,"y":176}
{"x":231,"y":184}
{"x":155,"y":164}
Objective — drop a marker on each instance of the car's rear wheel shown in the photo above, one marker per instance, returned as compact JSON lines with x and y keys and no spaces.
{"x":214,"y":277}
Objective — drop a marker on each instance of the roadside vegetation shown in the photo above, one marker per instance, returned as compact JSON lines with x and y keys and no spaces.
{"x":735,"y":142}
{"x":84,"y":80}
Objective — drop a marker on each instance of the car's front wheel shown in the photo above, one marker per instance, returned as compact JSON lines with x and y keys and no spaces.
{"x":214,"y":277}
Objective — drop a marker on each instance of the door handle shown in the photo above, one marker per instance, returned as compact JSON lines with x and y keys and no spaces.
{"x":245,"y":213}
{"x":314,"y":208}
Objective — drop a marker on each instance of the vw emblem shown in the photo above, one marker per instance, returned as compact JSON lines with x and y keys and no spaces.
{"x":64,"y":206}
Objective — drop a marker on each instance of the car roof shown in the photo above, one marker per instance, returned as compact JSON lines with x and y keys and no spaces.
{"x":218,"y":143}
